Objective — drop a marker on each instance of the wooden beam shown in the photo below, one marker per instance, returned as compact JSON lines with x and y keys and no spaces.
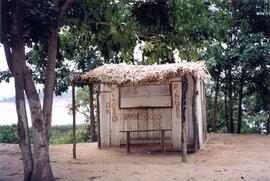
{"x":128,"y":142}
{"x":98,"y":116}
{"x":91,"y":116}
{"x":204,"y":110}
{"x":162,"y":140}
{"x":184,"y":121}
{"x":195,"y":119}
{"x":74,"y":121}
{"x":146,"y":130}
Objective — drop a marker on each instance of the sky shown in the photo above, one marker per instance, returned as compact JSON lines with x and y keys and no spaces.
{"x":6,"y":90}
{"x":8,"y":109}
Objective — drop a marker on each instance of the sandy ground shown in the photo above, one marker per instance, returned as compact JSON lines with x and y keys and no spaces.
{"x":224,"y":157}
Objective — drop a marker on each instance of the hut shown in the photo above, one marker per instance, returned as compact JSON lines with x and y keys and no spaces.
{"x":150,"y":104}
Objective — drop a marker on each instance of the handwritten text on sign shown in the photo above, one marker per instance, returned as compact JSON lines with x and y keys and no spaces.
{"x":176,"y":94}
{"x":113,"y":104}
{"x":141,"y":116}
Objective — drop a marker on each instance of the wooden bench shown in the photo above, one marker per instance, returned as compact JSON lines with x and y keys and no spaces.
{"x":152,"y":130}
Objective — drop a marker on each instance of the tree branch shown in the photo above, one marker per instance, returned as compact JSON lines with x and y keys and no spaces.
{"x":83,"y":113}
{"x":65,"y":6}
{"x":123,"y":26}
{"x":129,"y":29}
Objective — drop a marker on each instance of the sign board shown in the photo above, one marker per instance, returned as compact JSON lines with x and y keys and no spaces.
{"x":145,"y":96}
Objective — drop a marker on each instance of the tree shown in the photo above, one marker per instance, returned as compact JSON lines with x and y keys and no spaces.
{"x":38,"y":24}
{"x":26,"y":29}
{"x":236,"y":50}
{"x":173,"y":25}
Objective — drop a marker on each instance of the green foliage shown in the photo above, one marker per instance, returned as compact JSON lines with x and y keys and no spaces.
{"x":181,"y":25}
{"x":9,"y":134}
{"x":37,"y":60}
{"x":63,"y":134}
{"x":5,"y":76}
{"x":239,"y":54}
{"x":60,"y":134}
{"x":254,"y":124}
{"x":152,"y":15}
{"x":158,"y":52}
{"x":38,"y":18}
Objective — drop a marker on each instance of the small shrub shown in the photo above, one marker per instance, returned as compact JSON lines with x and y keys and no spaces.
{"x":9,"y":134}
{"x":59,"y":134}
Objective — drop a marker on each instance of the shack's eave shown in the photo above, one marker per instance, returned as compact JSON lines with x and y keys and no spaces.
{"x":138,"y":75}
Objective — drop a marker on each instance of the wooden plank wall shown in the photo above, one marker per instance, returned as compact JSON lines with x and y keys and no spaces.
{"x":142,"y":124}
{"x":165,"y":121}
{"x":114,"y":119}
{"x":130,"y":123}
{"x":105,"y":115}
{"x":139,"y":119}
{"x":153,"y":101}
{"x":146,"y":119}
{"x":145,"y":96}
{"x":116,"y":122}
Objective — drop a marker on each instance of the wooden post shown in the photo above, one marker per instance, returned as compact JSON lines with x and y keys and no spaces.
{"x":92,"y":117}
{"x":195,"y":120}
{"x":128,"y":141}
{"x":184,"y":124}
{"x":74,"y":121}
{"x":204,"y":112}
{"x":98,"y":116}
{"x":162,"y":140}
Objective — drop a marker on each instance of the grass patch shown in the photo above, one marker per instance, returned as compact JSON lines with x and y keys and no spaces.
{"x":59,"y":134}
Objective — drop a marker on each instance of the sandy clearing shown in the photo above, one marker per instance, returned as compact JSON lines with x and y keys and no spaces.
{"x":224,"y":157}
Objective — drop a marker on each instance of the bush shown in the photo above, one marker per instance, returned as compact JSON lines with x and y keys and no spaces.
{"x":9,"y":134}
{"x":60,"y":134}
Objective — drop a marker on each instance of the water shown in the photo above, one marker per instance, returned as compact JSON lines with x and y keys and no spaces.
{"x":60,"y":116}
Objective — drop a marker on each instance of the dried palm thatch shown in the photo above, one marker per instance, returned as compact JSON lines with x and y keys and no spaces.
{"x":123,"y":74}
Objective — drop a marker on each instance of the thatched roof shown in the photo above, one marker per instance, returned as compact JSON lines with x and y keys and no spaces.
{"x":123,"y":74}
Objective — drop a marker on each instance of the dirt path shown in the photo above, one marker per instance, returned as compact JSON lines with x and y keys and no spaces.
{"x":224,"y":157}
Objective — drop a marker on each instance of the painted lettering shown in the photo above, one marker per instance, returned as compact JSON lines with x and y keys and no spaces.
{"x":177,"y":100}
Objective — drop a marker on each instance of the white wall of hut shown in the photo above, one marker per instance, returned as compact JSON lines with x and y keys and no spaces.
{"x":121,"y":110}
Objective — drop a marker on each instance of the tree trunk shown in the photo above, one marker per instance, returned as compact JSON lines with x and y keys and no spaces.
{"x":226,"y":103}
{"x":143,"y":56}
{"x":23,"y":130}
{"x":268,"y":124}
{"x":184,"y":124}
{"x":230,"y":107}
{"x":42,"y":168}
{"x":240,"y":99}
{"x":15,"y":59}
{"x":215,"y":105}
{"x":92,"y":116}
{"x":49,"y":82}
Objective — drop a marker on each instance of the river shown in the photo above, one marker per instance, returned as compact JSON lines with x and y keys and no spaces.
{"x":60,"y":114}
